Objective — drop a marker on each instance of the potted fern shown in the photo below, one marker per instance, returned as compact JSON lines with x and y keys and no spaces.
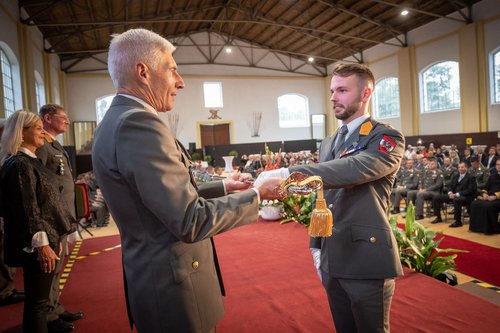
{"x":419,"y":249}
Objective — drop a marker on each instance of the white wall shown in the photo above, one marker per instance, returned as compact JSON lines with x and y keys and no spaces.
{"x":382,"y":69}
{"x":242,"y":97}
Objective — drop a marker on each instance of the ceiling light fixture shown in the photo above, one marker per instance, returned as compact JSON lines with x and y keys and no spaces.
{"x":229,"y":49}
{"x":310,"y":59}
{"x":404,"y":12}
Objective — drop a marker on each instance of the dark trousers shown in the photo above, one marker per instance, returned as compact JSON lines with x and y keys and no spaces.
{"x":484,"y":216}
{"x":37,"y":288}
{"x":438,"y":200}
{"x":54,"y":306}
{"x":359,"y":305}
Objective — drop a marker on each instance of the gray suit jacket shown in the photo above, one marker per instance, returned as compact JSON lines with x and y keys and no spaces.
{"x":165,"y":226}
{"x":359,"y":179}
{"x":51,"y":154}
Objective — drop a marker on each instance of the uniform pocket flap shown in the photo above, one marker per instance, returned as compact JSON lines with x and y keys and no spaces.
{"x":370,"y":234}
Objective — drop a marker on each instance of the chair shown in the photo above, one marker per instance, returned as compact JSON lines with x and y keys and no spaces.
{"x":82,"y":206}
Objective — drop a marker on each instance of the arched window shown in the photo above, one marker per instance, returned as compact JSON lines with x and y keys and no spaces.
{"x":386,"y":98}
{"x":102,"y":105}
{"x":495,"y":76}
{"x":8,"y":85}
{"x":440,"y":87}
{"x":293,"y":110}
{"x":39,"y":91}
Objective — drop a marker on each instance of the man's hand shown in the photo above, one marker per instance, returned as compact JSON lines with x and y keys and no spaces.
{"x":316,"y":254}
{"x":47,"y":258}
{"x":282,"y":173}
{"x":268,"y":189}
{"x":237,"y":181}
{"x":452,"y":195}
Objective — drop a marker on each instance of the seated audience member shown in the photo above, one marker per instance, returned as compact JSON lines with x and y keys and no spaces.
{"x":484,"y":211}
{"x":481,"y":156}
{"x":97,"y":204}
{"x":479,"y":172}
{"x":407,"y":180}
{"x":34,"y":216}
{"x":421,"y":162}
{"x":489,"y":160}
{"x":448,"y":171}
{"x":455,"y":159}
{"x":461,"y":192}
{"x":430,"y":184}
{"x":467,"y":155}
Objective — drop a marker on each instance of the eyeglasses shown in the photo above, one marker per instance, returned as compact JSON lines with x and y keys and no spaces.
{"x":62,"y":117}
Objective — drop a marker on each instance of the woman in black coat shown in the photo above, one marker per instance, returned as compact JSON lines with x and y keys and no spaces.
{"x":34,"y":218}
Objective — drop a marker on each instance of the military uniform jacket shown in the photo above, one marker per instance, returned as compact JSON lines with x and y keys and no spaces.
{"x":359,"y":178}
{"x":481,"y":175}
{"x":55,"y":158}
{"x":165,"y":226}
{"x":448,"y":173}
{"x":431,"y":180}
{"x":409,"y":178}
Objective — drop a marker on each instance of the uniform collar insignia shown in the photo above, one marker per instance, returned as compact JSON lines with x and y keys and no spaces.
{"x":366,"y":128}
{"x":48,"y":138}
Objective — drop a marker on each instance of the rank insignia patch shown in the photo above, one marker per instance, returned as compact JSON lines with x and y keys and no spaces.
{"x":387,"y":144}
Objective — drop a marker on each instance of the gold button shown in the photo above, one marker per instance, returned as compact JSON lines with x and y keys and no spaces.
{"x":196,"y":264}
{"x":372,"y":239}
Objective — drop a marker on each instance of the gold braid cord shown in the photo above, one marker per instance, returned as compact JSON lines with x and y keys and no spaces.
{"x":321,"y":218}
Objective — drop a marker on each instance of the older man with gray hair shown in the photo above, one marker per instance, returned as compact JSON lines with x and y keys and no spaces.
{"x":172,"y":277}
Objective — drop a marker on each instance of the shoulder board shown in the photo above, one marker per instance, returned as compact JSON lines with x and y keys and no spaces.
{"x":366,"y":128}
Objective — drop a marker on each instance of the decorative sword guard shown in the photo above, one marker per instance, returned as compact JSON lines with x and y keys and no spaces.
{"x":321,"y":218}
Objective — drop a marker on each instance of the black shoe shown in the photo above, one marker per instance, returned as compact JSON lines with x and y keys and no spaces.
{"x":456,"y":224}
{"x":13,"y":298}
{"x":395,"y":211}
{"x":71,"y":316}
{"x":419,"y":217}
{"x":436,"y":220}
{"x":60,"y":326}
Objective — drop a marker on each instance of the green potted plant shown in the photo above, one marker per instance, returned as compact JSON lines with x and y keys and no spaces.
{"x":208,"y":159}
{"x":419,"y":249}
{"x":196,"y":156}
{"x":233,"y":153}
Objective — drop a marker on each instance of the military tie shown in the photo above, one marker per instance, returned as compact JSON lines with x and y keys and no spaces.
{"x":341,"y":139}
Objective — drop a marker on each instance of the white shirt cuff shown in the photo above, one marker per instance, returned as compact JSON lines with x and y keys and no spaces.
{"x":258,"y":194}
{"x":39,"y":239}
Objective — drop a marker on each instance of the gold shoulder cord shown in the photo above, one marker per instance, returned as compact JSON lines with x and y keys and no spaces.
{"x":321,"y":218}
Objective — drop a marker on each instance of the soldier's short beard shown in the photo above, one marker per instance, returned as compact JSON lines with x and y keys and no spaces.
{"x":349,"y":111}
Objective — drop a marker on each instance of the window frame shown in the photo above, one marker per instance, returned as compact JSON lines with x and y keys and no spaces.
{"x":7,"y":84}
{"x":375,"y":99}
{"x":303,"y":122}
{"x":424,"y":108}
{"x":206,"y":98}
{"x":494,"y":79}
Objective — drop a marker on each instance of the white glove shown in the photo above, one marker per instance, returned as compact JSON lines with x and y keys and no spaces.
{"x":281,"y":173}
{"x":316,"y":254}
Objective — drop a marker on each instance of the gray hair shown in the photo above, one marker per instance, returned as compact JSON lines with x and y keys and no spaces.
{"x":131,"y":47}
{"x":12,"y":136}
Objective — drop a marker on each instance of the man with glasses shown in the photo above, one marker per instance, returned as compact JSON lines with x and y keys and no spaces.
{"x":54,"y":157}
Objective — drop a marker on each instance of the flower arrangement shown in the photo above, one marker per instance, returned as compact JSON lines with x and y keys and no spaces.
{"x":298,"y":208}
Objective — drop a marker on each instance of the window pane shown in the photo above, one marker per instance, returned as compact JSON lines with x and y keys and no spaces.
{"x":441,"y":87}
{"x":8,"y":85}
{"x":386,"y":98}
{"x":213,"y":94}
{"x":102,"y":105}
{"x":496,"y":79}
{"x":293,"y":111}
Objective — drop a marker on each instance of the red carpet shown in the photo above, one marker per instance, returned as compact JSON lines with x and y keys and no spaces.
{"x":271,"y":287}
{"x":481,"y":262}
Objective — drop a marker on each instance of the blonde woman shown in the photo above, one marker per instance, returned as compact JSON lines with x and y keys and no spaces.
{"x":34,"y":218}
